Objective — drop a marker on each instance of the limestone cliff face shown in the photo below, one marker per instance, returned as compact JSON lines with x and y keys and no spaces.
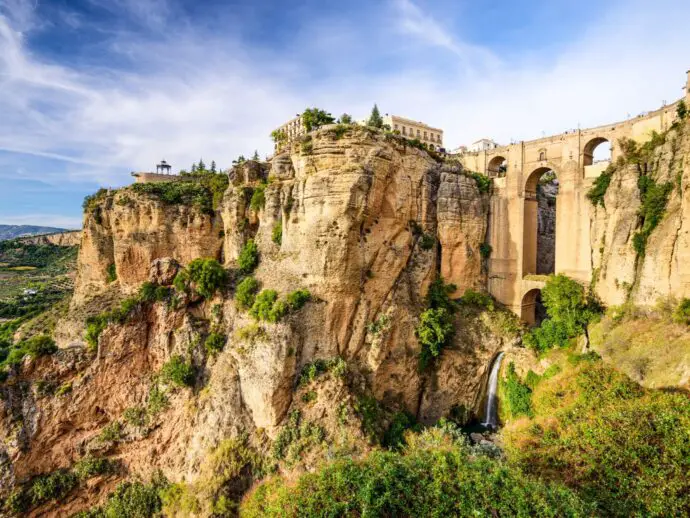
{"x":621,"y":273}
{"x":367,"y":223}
{"x":130,"y":230}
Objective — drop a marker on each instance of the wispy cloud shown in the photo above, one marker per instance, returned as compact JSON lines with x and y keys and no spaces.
{"x":170,"y":90}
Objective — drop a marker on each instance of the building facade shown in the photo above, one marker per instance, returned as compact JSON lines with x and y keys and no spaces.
{"x":415,"y":130}
{"x":292,"y":129}
{"x":484,"y":144}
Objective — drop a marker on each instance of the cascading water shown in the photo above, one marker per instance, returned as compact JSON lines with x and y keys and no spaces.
{"x":490,"y":413}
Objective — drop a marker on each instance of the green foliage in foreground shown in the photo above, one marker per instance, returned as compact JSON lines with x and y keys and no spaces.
{"x":130,"y":500}
{"x":434,"y":477}
{"x":618,"y":445}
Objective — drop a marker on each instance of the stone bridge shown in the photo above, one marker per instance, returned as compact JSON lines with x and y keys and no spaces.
{"x":516,"y":169}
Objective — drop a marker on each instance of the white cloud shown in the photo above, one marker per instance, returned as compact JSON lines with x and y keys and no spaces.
{"x":199,"y":94}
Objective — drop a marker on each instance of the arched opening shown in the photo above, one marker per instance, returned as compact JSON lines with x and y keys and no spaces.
{"x":533,"y":311}
{"x":597,"y":150}
{"x":539,"y":223}
{"x":497,"y":167}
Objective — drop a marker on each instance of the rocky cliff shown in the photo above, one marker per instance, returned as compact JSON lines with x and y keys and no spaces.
{"x":647,"y":196}
{"x":360,"y":219}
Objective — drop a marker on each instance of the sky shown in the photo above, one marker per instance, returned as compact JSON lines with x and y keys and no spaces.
{"x":91,"y":90}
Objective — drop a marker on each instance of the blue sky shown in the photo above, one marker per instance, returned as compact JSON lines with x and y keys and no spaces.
{"x":93,"y":89}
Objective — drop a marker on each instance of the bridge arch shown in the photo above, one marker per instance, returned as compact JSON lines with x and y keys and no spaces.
{"x":595,"y":150}
{"x":539,"y":222}
{"x":497,"y":166}
{"x":531,"y":310}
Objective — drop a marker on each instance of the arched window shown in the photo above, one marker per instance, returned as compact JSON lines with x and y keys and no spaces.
{"x":542,"y":156}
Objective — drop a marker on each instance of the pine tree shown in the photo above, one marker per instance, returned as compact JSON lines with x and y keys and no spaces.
{"x":202,"y":166}
{"x":213,"y":166}
{"x":255,"y":156}
{"x":375,"y":119}
{"x":193,"y":168}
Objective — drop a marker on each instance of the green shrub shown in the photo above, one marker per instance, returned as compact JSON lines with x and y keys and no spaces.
{"x":682,"y":110}
{"x":277,"y":234}
{"x":621,"y":447}
{"x":437,"y":477}
{"x":258,"y":200}
{"x":268,"y":308}
{"x":433,"y":332}
{"x":207,"y":275}
{"x":111,"y":432}
{"x":157,"y":401}
{"x":177,"y":371}
{"x":654,"y":199}
{"x":307,"y":147}
{"x":295,"y":437}
{"x":249,"y":257}
{"x":485,"y":250}
{"x":40,"y":345}
{"x":111,"y":274}
{"x":518,"y":396}
{"x":89,"y":467}
{"x":598,"y":190}
{"x":215,"y":342}
{"x":427,"y":241}
{"x":478,"y":299}
{"x":298,"y":298}
{"x":133,"y":499}
{"x":245,"y":293}
{"x":313,"y":370}
{"x":681,"y":315}
{"x":54,"y":486}
{"x":135,"y":416}
{"x":483,"y":182}
{"x":569,"y":308}
{"x":394,"y":437}
{"x":193,"y":193}
{"x":438,"y":295}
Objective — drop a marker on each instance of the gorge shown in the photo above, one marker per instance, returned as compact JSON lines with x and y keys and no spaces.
{"x":335,"y":304}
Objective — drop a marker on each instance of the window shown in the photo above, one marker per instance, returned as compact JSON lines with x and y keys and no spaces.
{"x":419,"y":133}
{"x":425,"y":135}
{"x":404,"y":130}
{"x":542,"y":156}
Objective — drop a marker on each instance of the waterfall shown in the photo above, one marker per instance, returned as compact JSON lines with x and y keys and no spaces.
{"x":490,"y":414}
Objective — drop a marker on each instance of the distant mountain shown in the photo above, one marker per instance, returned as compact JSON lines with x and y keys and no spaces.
{"x":12,"y":231}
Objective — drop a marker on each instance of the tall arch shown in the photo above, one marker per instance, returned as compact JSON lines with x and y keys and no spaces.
{"x":596,"y":149}
{"x":539,"y":222}
{"x":497,"y":166}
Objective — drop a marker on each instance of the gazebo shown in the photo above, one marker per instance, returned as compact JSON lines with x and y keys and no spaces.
{"x":163,"y":167}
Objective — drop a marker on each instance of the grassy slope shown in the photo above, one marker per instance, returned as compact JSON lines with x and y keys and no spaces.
{"x":649,"y":348}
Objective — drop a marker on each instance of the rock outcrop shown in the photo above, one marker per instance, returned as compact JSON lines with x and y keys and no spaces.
{"x":367,"y":222}
{"x":621,"y":273}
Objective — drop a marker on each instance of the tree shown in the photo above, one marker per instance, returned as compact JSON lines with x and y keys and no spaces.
{"x":314,"y":118}
{"x":375,"y":119}
{"x":201,"y":167}
{"x":682,"y":110}
{"x":278,"y":136}
{"x":346,"y":118}
{"x":213,"y":166}
{"x":239,"y":160}
{"x":255,"y":156}
{"x":193,"y":169}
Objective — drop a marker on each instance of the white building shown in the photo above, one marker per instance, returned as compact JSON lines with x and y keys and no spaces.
{"x":484,"y":144}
